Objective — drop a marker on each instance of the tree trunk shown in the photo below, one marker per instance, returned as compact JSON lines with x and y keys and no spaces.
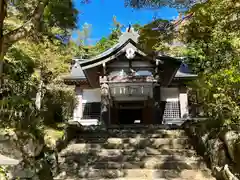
{"x":2,"y":17}
{"x":39,"y":95}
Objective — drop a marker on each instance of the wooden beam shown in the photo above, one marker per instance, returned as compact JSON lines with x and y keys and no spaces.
{"x":104,"y":69}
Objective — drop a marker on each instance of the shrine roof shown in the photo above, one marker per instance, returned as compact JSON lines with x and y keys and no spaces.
{"x":82,"y":68}
{"x":128,"y":40}
{"x":78,"y":74}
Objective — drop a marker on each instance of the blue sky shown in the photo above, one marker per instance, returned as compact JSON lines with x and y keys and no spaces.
{"x":99,"y":13}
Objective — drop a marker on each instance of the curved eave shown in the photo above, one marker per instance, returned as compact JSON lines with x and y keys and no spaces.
{"x":111,"y":54}
{"x":75,"y":80}
{"x":119,"y":49}
{"x":106,"y":54}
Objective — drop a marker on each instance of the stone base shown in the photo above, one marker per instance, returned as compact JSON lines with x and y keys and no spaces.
{"x":85,"y":122}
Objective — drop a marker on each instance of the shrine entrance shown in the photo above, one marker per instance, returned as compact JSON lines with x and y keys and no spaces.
{"x":130,"y":116}
{"x":131,"y":112}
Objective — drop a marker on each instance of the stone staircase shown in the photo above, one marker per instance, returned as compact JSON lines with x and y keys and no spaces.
{"x":132,"y":153}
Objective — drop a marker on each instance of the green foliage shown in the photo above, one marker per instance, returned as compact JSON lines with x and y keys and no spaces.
{"x":35,"y":56}
{"x":137,"y":27}
{"x":219,"y":93}
{"x":212,"y":45}
{"x":103,"y":45}
{"x":155,"y":40}
{"x":3,"y":173}
{"x":213,"y":48}
{"x":58,"y":104}
{"x":106,"y":43}
{"x":23,"y":62}
{"x":158,"y":3}
{"x":61,"y":15}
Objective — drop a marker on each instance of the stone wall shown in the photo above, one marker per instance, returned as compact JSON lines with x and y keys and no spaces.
{"x":36,"y":156}
{"x":220,"y":146}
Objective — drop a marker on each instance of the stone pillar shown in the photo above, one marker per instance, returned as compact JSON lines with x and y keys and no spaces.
{"x":157,"y":102}
{"x":78,"y":110}
{"x":183,"y":100}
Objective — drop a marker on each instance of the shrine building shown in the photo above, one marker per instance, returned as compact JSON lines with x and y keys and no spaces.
{"x":126,"y":85}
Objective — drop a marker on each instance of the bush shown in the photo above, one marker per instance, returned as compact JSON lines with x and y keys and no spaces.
{"x":57,"y":104}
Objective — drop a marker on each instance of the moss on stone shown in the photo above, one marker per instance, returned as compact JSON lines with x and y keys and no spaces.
{"x":52,"y":136}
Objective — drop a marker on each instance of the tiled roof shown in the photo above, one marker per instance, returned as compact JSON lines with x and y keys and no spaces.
{"x":130,"y":36}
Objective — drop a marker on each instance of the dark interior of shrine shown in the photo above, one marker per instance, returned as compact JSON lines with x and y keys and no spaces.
{"x":130,"y":116}
{"x":128,"y":112}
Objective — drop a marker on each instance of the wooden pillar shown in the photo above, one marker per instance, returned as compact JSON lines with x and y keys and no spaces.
{"x":183,"y":100}
{"x":78,"y":110}
{"x":105,"y":104}
{"x":157,"y":102}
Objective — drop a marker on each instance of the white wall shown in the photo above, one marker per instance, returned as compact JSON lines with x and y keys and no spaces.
{"x":169,"y":94}
{"x":91,"y":95}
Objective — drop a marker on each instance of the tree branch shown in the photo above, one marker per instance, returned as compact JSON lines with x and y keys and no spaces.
{"x":26,"y":28}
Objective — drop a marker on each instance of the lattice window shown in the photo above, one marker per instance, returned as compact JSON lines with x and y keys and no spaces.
{"x":172,"y":110}
{"x":91,"y":110}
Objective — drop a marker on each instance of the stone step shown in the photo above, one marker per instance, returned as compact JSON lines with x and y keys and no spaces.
{"x":139,"y":143}
{"x":92,"y":158}
{"x":149,"y":165}
{"x":132,"y":163}
{"x":148,"y":142}
{"x":158,"y":133}
{"x":136,"y":174}
{"x":149,"y":151}
{"x":85,"y":149}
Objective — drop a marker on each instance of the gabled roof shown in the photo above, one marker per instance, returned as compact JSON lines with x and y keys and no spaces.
{"x":126,"y":40}
{"x":110,"y":54}
{"x":129,"y":39}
